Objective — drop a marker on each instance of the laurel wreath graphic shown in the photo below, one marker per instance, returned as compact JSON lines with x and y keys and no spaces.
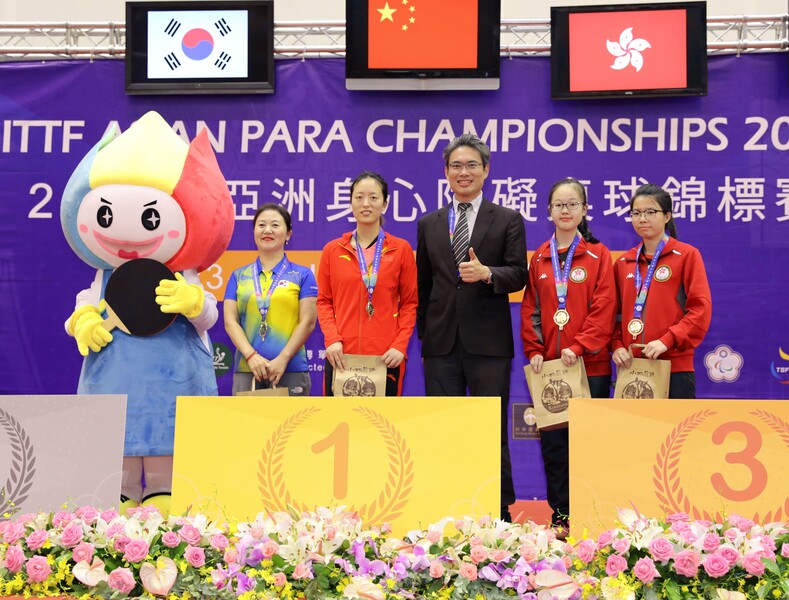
{"x":668,"y":487}
{"x":23,"y":465}
{"x":386,"y":507}
{"x":399,"y":480}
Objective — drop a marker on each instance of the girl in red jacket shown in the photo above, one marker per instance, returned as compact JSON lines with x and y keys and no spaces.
{"x":367,"y":289}
{"x":568,"y":312}
{"x":663,"y":295}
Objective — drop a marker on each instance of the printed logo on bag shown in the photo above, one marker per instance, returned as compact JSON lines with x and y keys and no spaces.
{"x":556,"y":396}
{"x":663,"y":273}
{"x":524,"y":422}
{"x":638,"y":390}
{"x":359,"y":385}
{"x":724,"y":365}
{"x":578,"y":275}
{"x":780,"y":369}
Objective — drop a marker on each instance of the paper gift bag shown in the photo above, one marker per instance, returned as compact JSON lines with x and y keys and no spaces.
{"x":552,"y":388}
{"x":364,"y":376}
{"x":645,"y":379}
{"x":265,"y":391}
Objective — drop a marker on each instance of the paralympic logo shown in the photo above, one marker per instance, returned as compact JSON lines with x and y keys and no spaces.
{"x":723,"y":364}
{"x":781,"y":373}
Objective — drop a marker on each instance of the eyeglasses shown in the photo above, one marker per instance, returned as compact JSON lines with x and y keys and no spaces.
{"x":560,"y":206}
{"x":647,"y":214}
{"x":470,"y":166}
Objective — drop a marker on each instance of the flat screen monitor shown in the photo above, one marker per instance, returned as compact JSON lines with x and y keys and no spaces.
{"x":422,"y":44}
{"x":200,"y":47}
{"x":620,"y":51}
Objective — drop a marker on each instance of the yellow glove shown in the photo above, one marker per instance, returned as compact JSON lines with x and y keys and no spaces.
{"x":180,"y":297}
{"x":87,"y":327}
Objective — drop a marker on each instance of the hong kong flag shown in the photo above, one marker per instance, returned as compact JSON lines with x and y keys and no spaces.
{"x":628,"y":50}
{"x":422,"y":34}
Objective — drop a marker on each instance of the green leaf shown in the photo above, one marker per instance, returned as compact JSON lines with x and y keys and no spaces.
{"x":672,"y":591}
{"x":771,"y":566}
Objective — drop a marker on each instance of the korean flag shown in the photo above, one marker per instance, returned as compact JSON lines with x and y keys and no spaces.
{"x":197,"y":44}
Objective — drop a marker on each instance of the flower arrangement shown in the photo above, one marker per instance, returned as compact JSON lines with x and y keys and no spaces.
{"x":331,"y":554}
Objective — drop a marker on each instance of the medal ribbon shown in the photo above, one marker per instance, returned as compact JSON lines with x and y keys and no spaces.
{"x":560,"y":279}
{"x":643,"y":289}
{"x":264,"y":302}
{"x":370,"y":276}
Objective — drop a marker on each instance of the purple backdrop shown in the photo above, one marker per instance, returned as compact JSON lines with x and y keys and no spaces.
{"x":723,"y":157}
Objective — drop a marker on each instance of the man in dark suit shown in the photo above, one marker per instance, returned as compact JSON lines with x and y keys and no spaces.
{"x":470,"y":255}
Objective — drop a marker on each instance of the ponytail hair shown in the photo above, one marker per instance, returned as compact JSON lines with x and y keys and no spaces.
{"x":583,"y":226}
{"x":663,"y":198}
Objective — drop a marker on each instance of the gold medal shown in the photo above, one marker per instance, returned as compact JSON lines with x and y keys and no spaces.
{"x":635,"y":327}
{"x":561,"y":317}
{"x":370,"y":310}
{"x":263,"y":330}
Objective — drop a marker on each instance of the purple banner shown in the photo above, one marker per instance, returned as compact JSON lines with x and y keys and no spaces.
{"x":723,"y":157}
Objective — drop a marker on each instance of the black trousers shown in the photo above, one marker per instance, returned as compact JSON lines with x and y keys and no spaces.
{"x":682,"y":386}
{"x":555,"y":448}
{"x":459,"y":371}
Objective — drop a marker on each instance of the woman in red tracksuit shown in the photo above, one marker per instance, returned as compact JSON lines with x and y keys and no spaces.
{"x":674,"y":309}
{"x":374,"y":313}
{"x":575,"y":267}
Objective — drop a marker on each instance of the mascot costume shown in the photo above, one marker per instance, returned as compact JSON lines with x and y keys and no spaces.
{"x":147,"y":194}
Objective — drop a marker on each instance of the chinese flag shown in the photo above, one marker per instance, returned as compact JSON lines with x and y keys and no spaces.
{"x":656,"y":44}
{"x":422,"y":34}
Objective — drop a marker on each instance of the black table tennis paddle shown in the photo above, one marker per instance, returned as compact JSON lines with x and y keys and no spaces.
{"x":131,"y":298}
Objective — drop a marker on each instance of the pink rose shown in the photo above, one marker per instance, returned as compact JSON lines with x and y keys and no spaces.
{"x":171,"y":539}
{"x":468,"y":571}
{"x":62,"y":518}
{"x":331,"y":533}
{"x":711,"y":542}
{"x":605,"y":538}
{"x":615,"y":565}
{"x":231,"y":555}
{"x":715,"y":565}
{"x":785,"y":550}
{"x":136,"y":551}
{"x":528,"y":551}
{"x":585,"y":550}
{"x":195,"y":556}
{"x":109,"y":515}
{"x":219,"y":542}
{"x":687,"y":563}
{"x":478,"y":554}
{"x":36,"y":539}
{"x":302,"y":571}
{"x":679,"y":516}
{"x":768,"y":543}
{"x":433,"y":536}
{"x":280,"y":579}
{"x":270,"y":549}
{"x":26,"y":518}
{"x":753,"y":564}
{"x":621,"y":545}
{"x":645,"y":570}
{"x":37,"y":569}
{"x":122,"y":579}
{"x":730,"y":554}
{"x":120,"y":543}
{"x":190,"y":534}
{"x":732,"y":535}
{"x":661,"y":549}
{"x":500,"y":555}
{"x":436,"y":569}
{"x":475,"y":540}
{"x":741,"y":523}
{"x":688,"y":536}
{"x":87,"y":513}
{"x":71,"y":536}
{"x":13,"y":533}
{"x":14,"y":558}
{"x":83,"y":552}
{"x":113,"y":530}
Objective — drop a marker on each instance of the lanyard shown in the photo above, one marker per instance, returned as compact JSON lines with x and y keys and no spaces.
{"x":264,"y":302}
{"x":560,"y":279}
{"x":370,"y":277}
{"x":642,"y":289}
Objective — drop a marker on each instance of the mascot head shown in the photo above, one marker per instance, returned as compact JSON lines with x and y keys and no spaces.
{"x":148,"y":194}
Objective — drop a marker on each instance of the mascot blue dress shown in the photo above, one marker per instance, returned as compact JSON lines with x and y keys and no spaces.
{"x":146,"y":193}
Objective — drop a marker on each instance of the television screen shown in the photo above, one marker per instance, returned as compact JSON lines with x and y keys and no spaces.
{"x":422,"y":44}
{"x":200,"y":47}
{"x":629,"y":50}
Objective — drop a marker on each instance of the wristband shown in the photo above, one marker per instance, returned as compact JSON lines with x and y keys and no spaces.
{"x":246,"y":358}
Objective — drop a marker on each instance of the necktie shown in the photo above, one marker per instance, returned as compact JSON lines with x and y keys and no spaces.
{"x":461,"y":238}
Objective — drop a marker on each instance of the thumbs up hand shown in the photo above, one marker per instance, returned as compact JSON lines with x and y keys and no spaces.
{"x":472,"y":270}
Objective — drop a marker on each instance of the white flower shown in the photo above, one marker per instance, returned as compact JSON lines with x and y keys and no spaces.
{"x":361,"y":587}
{"x":90,"y":574}
{"x":627,"y":50}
